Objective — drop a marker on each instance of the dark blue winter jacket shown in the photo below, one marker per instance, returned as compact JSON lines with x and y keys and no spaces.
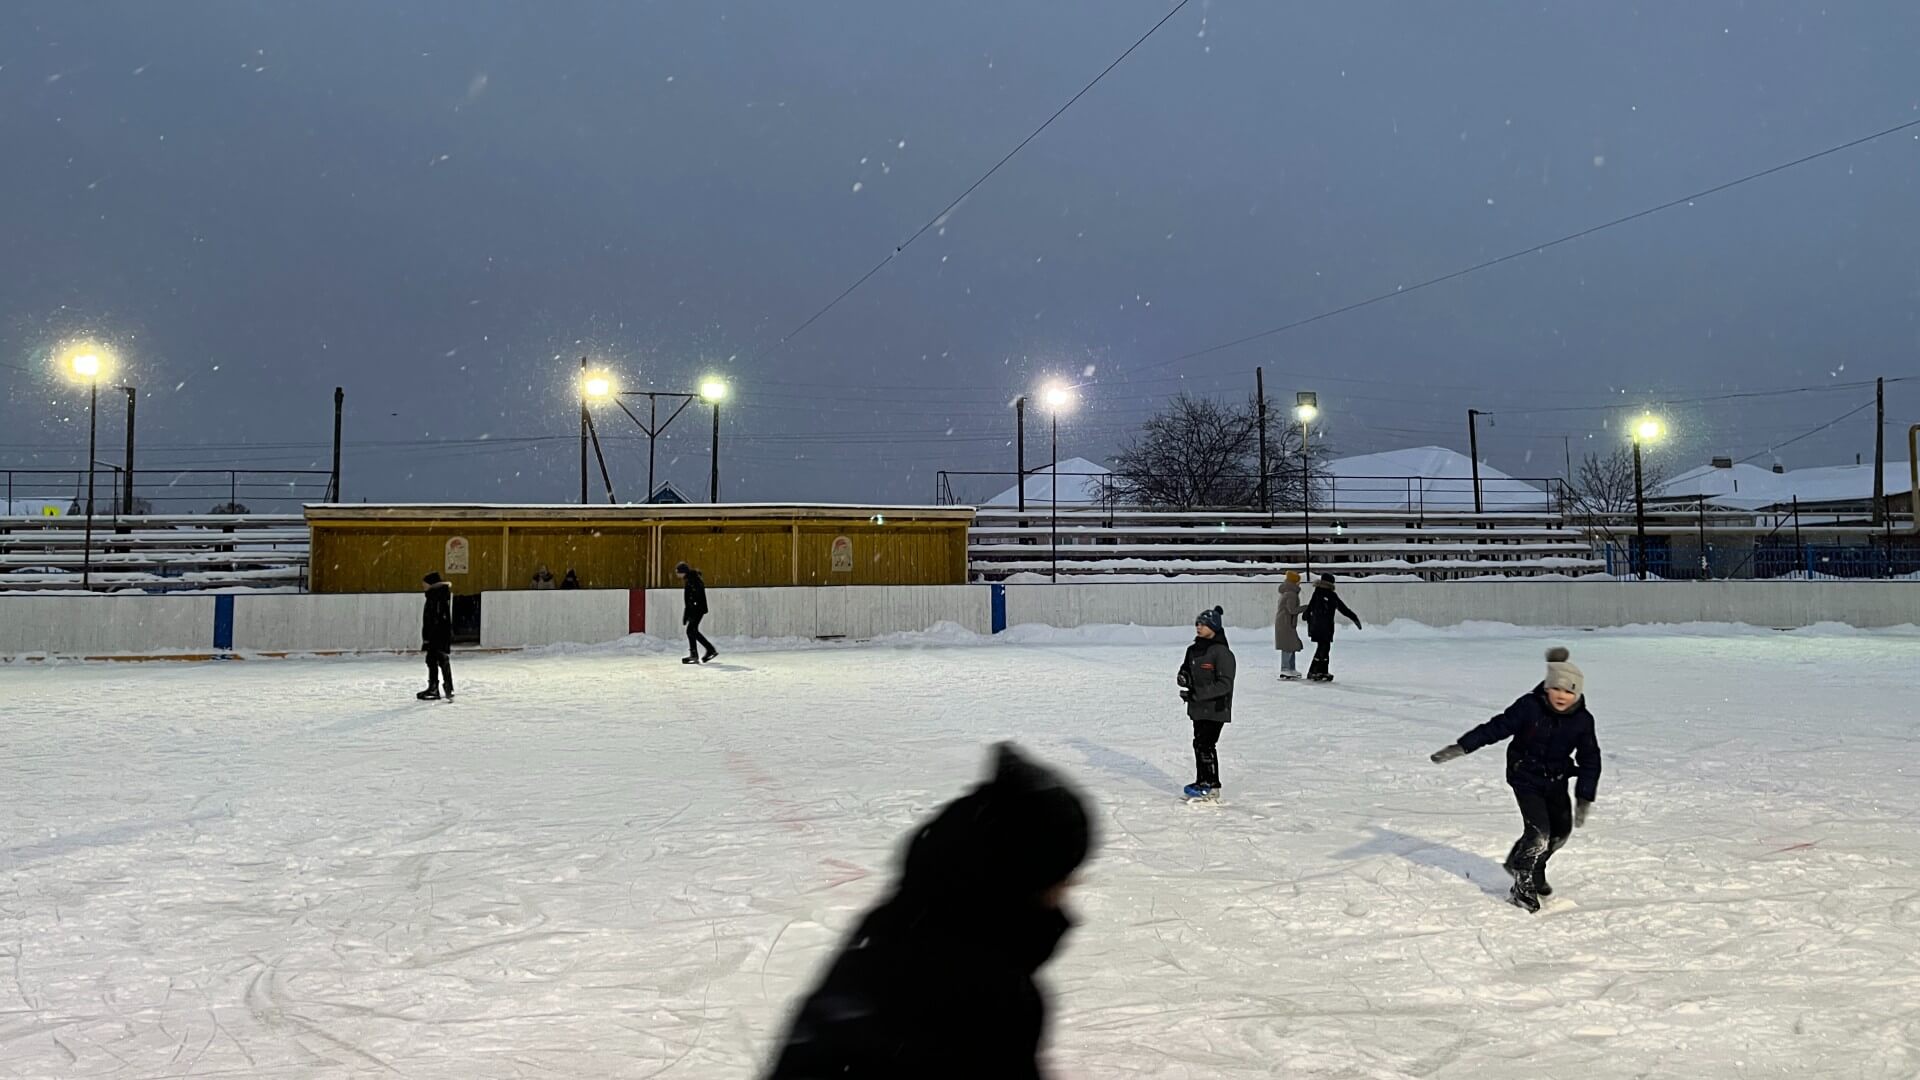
{"x":1547,"y":747}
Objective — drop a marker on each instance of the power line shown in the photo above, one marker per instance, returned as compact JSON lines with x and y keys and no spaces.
{"x":984,"y":177}
{"x":1510,"y":256}
{"x":1696,"y":400}
{"x":1862,"y":407}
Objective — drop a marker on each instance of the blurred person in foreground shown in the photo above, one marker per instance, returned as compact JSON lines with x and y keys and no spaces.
{"x":937,"y":981}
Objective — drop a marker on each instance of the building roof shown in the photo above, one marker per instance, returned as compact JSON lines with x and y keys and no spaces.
{"x":1423,"y":478}
{"x":1750,"y":487}
{"x":1082,"y":483}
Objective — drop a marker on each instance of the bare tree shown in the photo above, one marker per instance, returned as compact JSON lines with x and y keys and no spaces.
{"x":1198,"y":452}
{"x":1604,"y":484}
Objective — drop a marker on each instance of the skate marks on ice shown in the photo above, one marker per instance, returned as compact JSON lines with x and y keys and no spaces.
{"x":1483,"y":872}
{"x":596,"y":870}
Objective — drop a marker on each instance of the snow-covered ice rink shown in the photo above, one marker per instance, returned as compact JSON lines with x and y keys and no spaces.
{"x":603,"y":864}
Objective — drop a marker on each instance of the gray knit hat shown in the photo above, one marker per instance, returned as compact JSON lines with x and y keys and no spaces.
{"x":1563,"y":674}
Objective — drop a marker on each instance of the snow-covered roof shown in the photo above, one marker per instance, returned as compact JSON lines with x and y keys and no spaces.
{"x":1750,"y":487}
{"x":1423,"y":478}
{"x":1082,"y":483}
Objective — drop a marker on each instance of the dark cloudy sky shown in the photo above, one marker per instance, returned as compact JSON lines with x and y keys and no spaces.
{"x":441,"y":205}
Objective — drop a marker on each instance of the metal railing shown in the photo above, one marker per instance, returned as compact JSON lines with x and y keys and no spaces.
{"x":162,"y":491}
{"x":1409,"y":494}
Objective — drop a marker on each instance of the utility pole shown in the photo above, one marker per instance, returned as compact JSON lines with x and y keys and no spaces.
{"x":126,"y":498}
{"x":1473,"y":451}
{"x":1020,"y":448}
{"x":1260,"y":394}
{"x":1879,"y":451}
{"x":339,"y":399}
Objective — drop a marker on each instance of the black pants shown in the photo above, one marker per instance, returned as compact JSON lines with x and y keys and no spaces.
{"x":695,"y":639}
{"x":1322,"y":651}
{"x":439,"y":666}
{"x":1206,"y":760}
{"x":1549,"y":821}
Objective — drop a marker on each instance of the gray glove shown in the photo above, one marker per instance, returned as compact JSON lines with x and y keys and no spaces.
{"x":1580,"y":809}
{"x":1447,"y":753}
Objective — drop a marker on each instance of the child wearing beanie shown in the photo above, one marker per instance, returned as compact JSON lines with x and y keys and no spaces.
{"x":940,"y":979}
{"x":1552,"y":742}
{"x":1206,"y":685}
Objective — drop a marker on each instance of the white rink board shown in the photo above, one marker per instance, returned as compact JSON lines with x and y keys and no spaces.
{"x":605,"y":864}
{"x":105,"y":626}
{"x":361,"y":622}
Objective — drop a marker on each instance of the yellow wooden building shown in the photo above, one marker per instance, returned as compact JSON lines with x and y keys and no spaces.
{"x":372,"y":548}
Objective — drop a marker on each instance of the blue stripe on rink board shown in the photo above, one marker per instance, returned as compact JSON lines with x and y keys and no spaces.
{"x":999,"y":608}
{"x":223,"y":622}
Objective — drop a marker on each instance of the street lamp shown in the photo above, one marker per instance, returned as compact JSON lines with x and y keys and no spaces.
{"x":88,"y":362}
{"x":1306,"y":407}
{"x":1057,"y":397}
{"x":596,"y":387}
{"x":1648,"y":429}
{"x":713,"y":391}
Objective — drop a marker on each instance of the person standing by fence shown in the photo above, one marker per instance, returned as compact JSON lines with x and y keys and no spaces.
{"x":436,"y":637}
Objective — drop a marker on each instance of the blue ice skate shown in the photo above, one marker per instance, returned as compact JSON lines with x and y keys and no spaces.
{"x":1200,"y":791}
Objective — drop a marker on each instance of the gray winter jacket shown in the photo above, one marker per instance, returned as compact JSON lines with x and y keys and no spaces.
{"x":1286,"y":621}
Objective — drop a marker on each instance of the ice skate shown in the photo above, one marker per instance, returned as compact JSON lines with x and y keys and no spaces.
{"x":429,"y":694}
{"x":1523,"y":896}
{"x":1201,"y":793}
{"x":689,"y":659}
{"x":711,"y":653}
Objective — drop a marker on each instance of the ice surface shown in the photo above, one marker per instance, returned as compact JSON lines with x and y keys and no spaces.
{"x":603,"y":864}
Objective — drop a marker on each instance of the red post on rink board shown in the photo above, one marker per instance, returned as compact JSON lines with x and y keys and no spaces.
{"x":636,"y":611}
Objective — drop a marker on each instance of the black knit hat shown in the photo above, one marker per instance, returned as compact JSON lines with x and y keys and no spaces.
{"x":1018,"y":834}
{"x":432,"y":578}
{"x":682,"y":569}
{"x":1212,"y":620}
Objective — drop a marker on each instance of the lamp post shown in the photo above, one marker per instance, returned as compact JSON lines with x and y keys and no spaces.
{"x":1647,"y":429}
{"x":596,"y":387}
{"x":713,"y":391}
{"x":1306,"y":406}
{"x":1057,"y":398}
{"x":88,"y":363}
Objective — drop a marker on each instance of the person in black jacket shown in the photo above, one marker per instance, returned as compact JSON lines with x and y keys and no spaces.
{"x":937,"y":982}
{"x":1206,"y":685}
{"x":436,"y":637}
{"x":1552,"y":741}
{"x":694,"y":593}
{"x":1320,"y":611}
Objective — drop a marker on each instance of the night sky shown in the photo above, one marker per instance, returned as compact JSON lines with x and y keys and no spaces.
{"x":442,"y":206}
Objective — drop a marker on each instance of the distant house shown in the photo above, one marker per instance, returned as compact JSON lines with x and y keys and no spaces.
{"x":668,"y":495}
{"x":1725,"y":485}
{"x":1082,"y":483}
{"x":1423,"y":478}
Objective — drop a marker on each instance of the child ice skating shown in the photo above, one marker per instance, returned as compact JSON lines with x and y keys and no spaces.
{"x":1325,"y":604}
{"x":937,"y":982}
{"x":436,"y":636}
{"x":1206,"y":685}
{"x":1552,"y":741}
{"x":1286,"y":627}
